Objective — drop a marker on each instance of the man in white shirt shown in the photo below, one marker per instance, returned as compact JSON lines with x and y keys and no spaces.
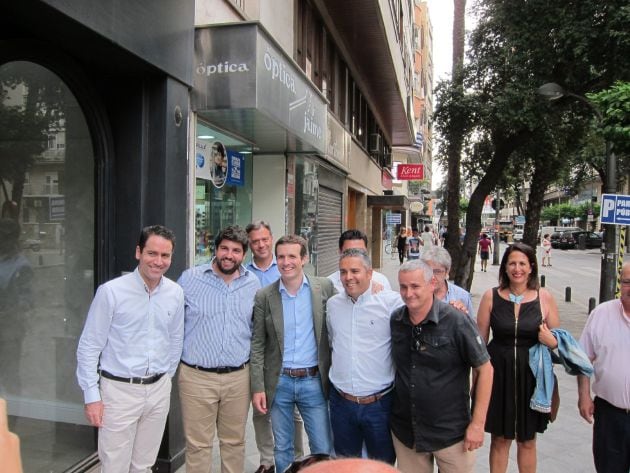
{"x":606,"y":341}
{"x":128,"y":352}
{"x":362,"y":372}
{"x":355,"y":239}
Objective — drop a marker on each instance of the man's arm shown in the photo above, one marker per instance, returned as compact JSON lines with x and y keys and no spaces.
{"x":9,"y":444}
{"x":483,"y":389}
{"x":585,"y":401}
{"x":177,"y":336}
{"x":257,"y":355}
{"x":91,"y":344}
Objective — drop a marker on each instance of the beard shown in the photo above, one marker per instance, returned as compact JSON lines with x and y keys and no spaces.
{"x":227,"y":271}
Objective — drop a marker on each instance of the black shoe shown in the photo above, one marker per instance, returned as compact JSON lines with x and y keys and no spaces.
{"x":266,"y":469}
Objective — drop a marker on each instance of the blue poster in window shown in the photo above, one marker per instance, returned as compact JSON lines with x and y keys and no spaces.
{"x":236,"y":168}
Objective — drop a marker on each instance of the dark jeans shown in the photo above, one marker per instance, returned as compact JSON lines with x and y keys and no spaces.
{"x":401,"y":255}
{"x":353,"y":424}
{"x":611,"y":438}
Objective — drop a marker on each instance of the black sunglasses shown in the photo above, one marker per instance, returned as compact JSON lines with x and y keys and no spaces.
{"x":416,"y":333}
{"x":305,"y":461}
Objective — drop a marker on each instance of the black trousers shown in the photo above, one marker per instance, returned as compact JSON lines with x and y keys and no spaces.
{"x":611,"y":438}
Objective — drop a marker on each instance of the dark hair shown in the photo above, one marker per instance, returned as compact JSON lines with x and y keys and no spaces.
{"x":257,"y":225}
{"x":484,"y":236}
{"x":232,"y":233}
{"x":426,"y":228}
{"x":292,"y":240}
{"x":527,"y":250}
{"x":157,"y":230}
{"x":353,"y":234}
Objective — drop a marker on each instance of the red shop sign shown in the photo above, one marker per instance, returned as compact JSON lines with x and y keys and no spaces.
{"x":410,"y":172}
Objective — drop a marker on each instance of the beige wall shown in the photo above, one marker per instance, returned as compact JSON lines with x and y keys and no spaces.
{"x":269,"y":192}
{"x":364,"y":172}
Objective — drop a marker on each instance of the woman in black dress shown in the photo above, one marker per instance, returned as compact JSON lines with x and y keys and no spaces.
{"x":520,"y":314}
{"x":401,"y":244}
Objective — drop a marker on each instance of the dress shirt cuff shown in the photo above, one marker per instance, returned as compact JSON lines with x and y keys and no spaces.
{"x":92,"y":394}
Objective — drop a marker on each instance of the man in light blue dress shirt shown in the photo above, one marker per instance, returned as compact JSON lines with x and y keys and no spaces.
{"x":362,"y":370}
{"x":214,"y":375}
{"x":290,"y":352}
{"x":127,"y":354}
{"x":265,"y":267}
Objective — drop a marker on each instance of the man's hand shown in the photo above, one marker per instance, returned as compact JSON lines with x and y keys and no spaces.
{"x":9,"y":444}
{"x":259,"y":401}
{"x":459,"y":305}
{"x":94,"y":413}
{"x":586,"y":407}
{"x":377,"y":287}
{"x":474,"y":437}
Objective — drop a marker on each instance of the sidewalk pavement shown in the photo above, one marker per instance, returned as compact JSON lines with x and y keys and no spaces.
{"x":564,"y":447}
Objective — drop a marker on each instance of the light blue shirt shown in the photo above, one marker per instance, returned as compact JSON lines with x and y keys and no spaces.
{"x":218,"y":321}
{"x":300,"y":346}
{"x":456,"y":293}
{"x":361,"y":342}
{"x":134,"y":332}
{"x":265,"y":276}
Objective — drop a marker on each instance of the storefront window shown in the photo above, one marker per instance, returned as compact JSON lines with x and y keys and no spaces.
{"x":223,"y":187}
{"x":46,"y":263}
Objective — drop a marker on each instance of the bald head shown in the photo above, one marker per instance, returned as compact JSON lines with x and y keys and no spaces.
{"x":350,"y":465}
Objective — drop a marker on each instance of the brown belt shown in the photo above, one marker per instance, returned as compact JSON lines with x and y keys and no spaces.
{"x":365,"y":399}
{"x":300,"y":372}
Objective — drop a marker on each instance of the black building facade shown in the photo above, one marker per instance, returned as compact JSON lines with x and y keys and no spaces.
{"x":94,"y":108}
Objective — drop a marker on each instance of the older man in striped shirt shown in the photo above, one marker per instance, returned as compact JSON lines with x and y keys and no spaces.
{"x":214,"y":375}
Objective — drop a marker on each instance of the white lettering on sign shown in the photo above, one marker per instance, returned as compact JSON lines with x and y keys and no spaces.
{"x":279,"y":71}
{"x":607,"y":206}
{"x":221,"y":68}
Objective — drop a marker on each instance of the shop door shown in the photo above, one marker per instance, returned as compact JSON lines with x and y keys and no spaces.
{"x":328,"y":230}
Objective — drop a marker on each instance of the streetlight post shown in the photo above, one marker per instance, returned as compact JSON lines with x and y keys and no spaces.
{"x":608,"y":273}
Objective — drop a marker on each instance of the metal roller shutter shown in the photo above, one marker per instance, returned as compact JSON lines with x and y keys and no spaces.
{"x":328,"y":230}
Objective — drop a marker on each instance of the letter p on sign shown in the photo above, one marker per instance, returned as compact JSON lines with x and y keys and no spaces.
{"x":608,"y":205}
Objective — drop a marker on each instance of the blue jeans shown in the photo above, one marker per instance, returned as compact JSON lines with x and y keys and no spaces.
{"x":353,"y":424}
{"x":307,"y":394}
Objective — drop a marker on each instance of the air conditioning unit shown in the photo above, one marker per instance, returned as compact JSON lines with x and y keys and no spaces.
{"x":375,"y":143}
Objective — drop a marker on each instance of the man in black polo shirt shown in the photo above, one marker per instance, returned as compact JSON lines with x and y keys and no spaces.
{"x":433,"y":347}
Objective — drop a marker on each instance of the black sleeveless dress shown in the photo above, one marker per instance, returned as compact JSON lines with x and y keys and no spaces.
{"x":509,"y":414}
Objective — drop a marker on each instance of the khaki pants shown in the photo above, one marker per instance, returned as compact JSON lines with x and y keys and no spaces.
{"x":133,"y":424}
{"x":212,"y":403}
{"x":453,"y":459}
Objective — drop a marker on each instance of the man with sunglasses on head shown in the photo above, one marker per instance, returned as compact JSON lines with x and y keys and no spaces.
{"x":434,"y":346}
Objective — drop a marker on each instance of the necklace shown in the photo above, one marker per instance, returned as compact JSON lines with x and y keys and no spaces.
{"x":517,"y":298}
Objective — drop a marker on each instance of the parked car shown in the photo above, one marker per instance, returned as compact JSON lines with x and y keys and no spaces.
{"x":518,"y":235}
{"x":571,"y":240}
{"x":555,"y":239}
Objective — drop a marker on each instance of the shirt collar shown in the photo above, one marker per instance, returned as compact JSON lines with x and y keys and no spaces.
{"x":304,"y":283}
{"x":255,"y":266}
{"x":138,"y":278}
{"x":432,"y":316}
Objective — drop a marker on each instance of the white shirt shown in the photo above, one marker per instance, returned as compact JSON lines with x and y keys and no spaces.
{"x":376,"y":276}
{"x":360,"y":338}
{"x":606,"y":341}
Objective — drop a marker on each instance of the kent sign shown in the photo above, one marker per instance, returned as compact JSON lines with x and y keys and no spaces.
{"x":410,"y":172}
{"x":615,"y":209}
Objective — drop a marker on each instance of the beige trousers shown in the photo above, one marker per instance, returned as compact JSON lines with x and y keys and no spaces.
{"x":214,"y":403}
{"x":264,"y":436}
{"x":133,"y":424}
{"x":453,"y":459}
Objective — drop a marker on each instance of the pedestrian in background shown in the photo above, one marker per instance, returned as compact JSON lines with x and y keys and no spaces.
{"x":127,"y":354}
{"x":520,"y":314}
{"x":485,"y":247}
{"x":401,"y":244}
{"x":605,"y":340}
{"x":546,"y":246}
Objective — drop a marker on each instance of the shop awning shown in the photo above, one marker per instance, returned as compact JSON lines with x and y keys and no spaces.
{"x":388,"y":202}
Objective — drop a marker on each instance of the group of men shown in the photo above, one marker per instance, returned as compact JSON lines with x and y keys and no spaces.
{"x":360,"y":367}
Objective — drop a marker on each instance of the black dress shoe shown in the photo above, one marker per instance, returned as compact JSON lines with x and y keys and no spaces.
{"x":266,"y":469}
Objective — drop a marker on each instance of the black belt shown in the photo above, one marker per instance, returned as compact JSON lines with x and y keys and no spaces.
{"x":218,"y":369}
{"x":300,"y":372}
{"x":145,"y":380}
{"x":612,"y":406}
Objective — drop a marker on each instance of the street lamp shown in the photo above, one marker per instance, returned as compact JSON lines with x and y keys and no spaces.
{"x":608,"y":274}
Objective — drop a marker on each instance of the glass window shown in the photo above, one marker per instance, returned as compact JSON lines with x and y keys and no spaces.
{"x":46,"y":263}
{"x":223,"y":187}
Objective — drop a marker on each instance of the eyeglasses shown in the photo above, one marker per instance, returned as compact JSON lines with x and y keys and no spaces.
{"x":437,"y":271}
{"x":416,"y":334}
{"x":308,"y":460}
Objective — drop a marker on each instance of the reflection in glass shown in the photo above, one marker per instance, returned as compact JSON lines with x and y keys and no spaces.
{"x":46,"y":263}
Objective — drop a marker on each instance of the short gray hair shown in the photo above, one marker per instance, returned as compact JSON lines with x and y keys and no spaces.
{"x":417,"y":265}
{"x":437,"y":255}
{"x":357,"y":253}
{"x":257,"y":225}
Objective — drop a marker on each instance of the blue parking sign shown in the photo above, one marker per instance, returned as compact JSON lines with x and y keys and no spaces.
{"x":615,"y":209}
